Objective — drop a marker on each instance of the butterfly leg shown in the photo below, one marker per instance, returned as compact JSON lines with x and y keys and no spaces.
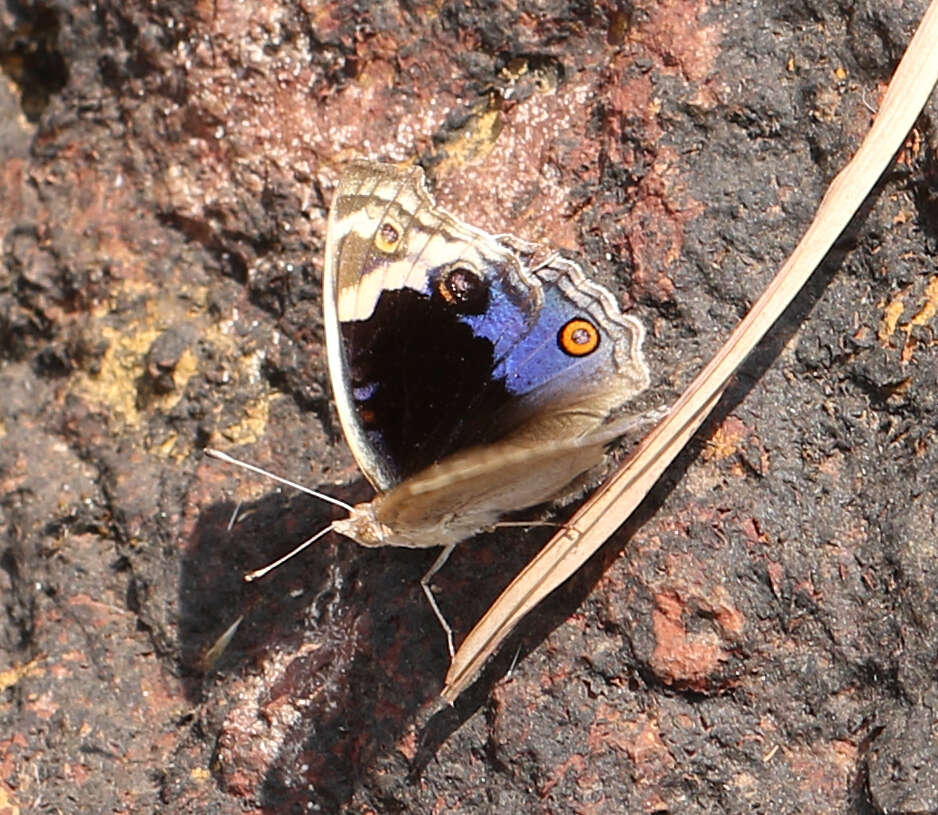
{"x":428,"y":590}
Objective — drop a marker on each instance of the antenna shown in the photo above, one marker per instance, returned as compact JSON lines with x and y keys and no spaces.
{"x":211,"y":453}
{"x":250,"y":577}
{"x":258,"y":573}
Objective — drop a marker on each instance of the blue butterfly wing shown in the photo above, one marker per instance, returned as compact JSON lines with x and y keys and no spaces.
{"x":442,"y":337}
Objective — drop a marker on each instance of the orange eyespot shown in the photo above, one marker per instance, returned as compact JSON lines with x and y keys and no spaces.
{"x":578,"y":337}
{"x":387,"y":237}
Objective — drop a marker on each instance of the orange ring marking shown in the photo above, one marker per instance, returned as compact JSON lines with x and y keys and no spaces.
{"x":388,"y":237}
{"x":578,"y":337}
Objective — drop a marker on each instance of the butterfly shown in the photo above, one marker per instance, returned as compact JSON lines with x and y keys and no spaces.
{"x":474,"y":374}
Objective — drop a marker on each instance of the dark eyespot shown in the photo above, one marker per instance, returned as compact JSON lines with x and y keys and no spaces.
{"x":578,"y":337}
{"x":464,"y":289}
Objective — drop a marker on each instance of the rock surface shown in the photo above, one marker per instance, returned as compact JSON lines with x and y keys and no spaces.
{"x":762,"y":639}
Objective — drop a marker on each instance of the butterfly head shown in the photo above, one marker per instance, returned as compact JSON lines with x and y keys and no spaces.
{"x":362,"y":526}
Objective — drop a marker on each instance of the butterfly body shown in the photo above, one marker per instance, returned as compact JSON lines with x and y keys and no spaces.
{"x":474,"y":374}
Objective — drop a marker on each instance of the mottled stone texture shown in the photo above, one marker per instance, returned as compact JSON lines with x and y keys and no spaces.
{"x":763,"y":638}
